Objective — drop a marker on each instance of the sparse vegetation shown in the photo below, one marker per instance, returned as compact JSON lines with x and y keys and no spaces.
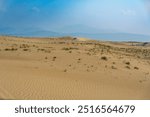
{"x":54,"y":58}
{"x":104,"y":58}
{"x":136,"y":68}
{"x":65,"y":70}
{"x":127,"y":63}
{"x":71,"y":48}
{"x":113,"y":67}
{"x":61,"y":62}
{"x":65,"y":49}
{"x":24,"y":46}
{"x":128,"y":67}
{"x":25,"y":49}
{"x":11,"y":49}
{"x":114,"y":63}
{"x":41,"y":49}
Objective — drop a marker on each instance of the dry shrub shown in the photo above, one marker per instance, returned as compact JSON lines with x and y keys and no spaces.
{"x":104,"y":58}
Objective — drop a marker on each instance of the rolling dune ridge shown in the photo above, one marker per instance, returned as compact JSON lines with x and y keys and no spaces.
{"x":68,"y":68}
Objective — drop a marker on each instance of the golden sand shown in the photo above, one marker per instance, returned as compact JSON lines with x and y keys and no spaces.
{"x":64,"y":68}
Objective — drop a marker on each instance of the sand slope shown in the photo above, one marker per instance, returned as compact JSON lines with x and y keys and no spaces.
{"x":64,"y":68}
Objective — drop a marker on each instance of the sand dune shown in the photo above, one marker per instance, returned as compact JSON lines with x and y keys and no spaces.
{"x":64,"y":68}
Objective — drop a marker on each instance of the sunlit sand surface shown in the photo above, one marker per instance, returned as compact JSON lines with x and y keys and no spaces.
{"x":68,"y":68}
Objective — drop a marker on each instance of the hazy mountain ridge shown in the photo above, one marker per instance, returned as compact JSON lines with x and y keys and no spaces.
{"x":101,"y":36}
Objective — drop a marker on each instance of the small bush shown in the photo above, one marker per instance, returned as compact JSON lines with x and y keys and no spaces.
{"x":71,"y":48}
{"x":25,"y":49}
{"x":136,"y":68}
{"x":41,"y":49}
{"x":65,"y":70}
{"x":11,"y":49}
{"x":54,"y":58}
{"x":113,"y":63}
{"x":65,"y":49}
{"x":113,"y":67}
{"x":127,"y":63}
{"x":7,"y":49}
{"x":104,"y":58}
{"x":128,"y":67}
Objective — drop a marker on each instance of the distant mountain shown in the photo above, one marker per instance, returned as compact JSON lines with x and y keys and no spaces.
{"x":28,"y":32}
{"x":115,"y":36}
{"x":41,"y":33}
{"x":110,"y":36}
{"x":80,"y":28}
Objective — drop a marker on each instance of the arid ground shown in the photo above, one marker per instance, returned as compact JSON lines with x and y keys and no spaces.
{"x":67,"y":68}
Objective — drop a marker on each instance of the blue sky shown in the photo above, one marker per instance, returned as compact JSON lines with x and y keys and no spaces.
{"x":129,"y":16}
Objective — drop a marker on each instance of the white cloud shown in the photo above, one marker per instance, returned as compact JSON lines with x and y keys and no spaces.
{"x":128,"y":12}
{"x":35,"y":9}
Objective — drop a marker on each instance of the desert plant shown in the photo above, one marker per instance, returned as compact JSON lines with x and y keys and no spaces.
{"x":65,"y":70}
{"x":54,"y":58}
{"x":11,"y":49}
{"x":113,"y":67}
{"x":25,"y":49}
{"x":128,"y":63}
{"x":104,"y":58}
{"x":136,"y":68}
{"x":128,"y":67}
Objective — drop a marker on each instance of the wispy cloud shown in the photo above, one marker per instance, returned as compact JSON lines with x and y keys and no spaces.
{"x":128,"y":12}
{"x":35,"y":9}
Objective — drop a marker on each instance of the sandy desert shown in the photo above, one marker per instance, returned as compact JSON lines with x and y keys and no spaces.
{"x":69,"y":68}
